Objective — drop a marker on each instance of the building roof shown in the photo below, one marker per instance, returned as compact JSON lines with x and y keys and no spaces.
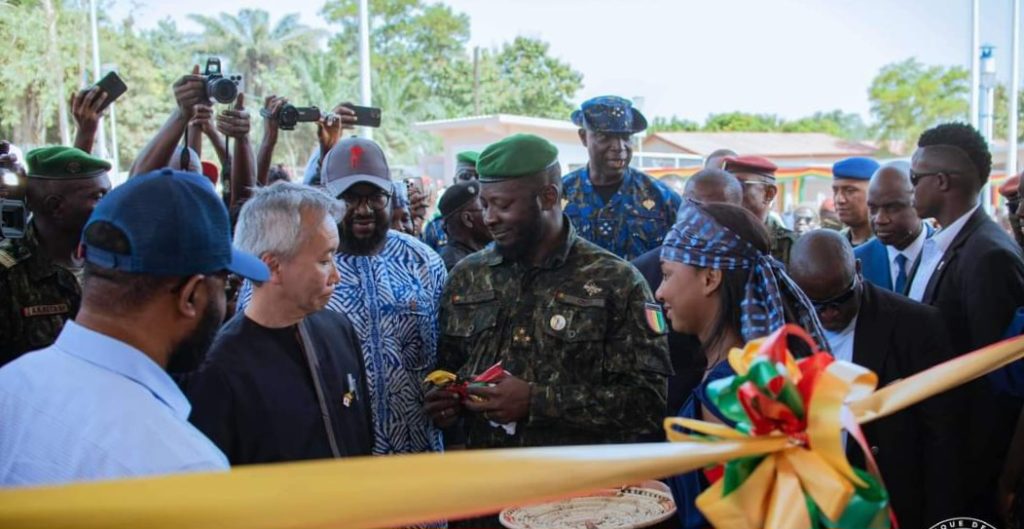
{"x":768,"y":144}
{"x":494,"y":119}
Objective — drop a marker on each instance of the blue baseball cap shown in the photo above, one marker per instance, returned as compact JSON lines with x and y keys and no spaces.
{"x":856,"y":168}
{"x":176,"y":225}
{"x":611,"y":114}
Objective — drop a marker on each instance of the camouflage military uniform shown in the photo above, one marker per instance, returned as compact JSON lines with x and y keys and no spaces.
{"x":36,"y":297}
{"x":634,"y":221}
{"x":782,"y":239}
{"x":575,"y":328}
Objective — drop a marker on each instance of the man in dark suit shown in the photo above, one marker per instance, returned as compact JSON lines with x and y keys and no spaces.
{"x":973,"y":272}
{"x":916,"y":449}
{"x":708,"y":185}
{"x":886,"y":260}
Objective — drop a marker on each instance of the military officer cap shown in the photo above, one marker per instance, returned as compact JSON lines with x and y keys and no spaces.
{"x":457,"y":196}
{"x":856,"y":168}
{"x":611,"y":114}
{"x":1009,"y":187}
{"x":750,"y":164}
{"x":467,"y":157}
{"x":514,"y":157}
{"x":64,"y":163}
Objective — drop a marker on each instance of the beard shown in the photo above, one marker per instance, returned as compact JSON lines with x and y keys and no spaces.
{"x":188,"y":355}
{"x":367,"y":245}
{"x":530,"y":234}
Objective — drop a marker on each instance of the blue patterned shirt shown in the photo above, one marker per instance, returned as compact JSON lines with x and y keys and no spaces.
{"x":434,"y":234}
{"x":633,"y":222}
{"x":392,"y":300}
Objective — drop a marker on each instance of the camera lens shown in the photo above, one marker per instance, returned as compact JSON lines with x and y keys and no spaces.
{"x":221,"y":90}
{"x":287,"y":117}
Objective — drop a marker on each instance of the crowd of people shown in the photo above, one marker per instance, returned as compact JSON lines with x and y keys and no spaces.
{"x":162,"y":327}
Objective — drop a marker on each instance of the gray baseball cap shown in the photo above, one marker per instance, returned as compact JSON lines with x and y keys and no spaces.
{"x":352,"y":161}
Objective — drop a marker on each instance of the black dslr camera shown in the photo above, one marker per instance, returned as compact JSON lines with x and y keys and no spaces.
{"x":220,"y":87}
{"x":290,"y":115}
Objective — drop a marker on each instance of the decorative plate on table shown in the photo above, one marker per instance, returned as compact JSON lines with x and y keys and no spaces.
{"x":626,"y":508}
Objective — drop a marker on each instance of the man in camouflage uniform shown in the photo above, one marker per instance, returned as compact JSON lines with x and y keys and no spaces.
{"x":39,"y":290}
{"x":758,"y":178}
{"x":575,"y":328}
{"x":611,"y":204}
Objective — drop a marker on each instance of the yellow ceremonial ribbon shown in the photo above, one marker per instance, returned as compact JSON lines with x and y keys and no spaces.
{"x":396,"y":490}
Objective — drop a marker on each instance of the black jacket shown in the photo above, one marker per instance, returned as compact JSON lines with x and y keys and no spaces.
{"x":916,"y":449}
{"x":978,"y":286}
{"x":256,"y":397}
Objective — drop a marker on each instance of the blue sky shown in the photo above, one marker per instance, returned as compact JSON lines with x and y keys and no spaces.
{"x":691,"y":58}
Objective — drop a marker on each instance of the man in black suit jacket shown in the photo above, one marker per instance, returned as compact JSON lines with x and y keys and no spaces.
{"x":688,"y":362}
{"x":973,"y":272}
{"x":916,"y":449}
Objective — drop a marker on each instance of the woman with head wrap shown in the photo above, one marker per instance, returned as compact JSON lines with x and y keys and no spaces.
{"x":722,"y":285}
{"x":401,"y":217}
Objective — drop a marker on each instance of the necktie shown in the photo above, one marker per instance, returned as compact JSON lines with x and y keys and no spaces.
{"x":901,"y":273}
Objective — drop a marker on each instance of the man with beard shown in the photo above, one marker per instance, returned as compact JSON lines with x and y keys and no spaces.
{"x":284,"y":379}
{"x":609,"y":203}
{"x":849,"y":189}
{"x":576,"y":330}
{"x":899,"y":232}
{"x":390,"y":288}
{"x":99,"y":403}
{"x":463,"y":222}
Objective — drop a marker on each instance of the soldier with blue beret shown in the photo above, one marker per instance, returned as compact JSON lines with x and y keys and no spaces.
{"x":575,"y":327}
{"x":39,"y":288}
{"x":850,"y":179}
{"x":610,"y":203}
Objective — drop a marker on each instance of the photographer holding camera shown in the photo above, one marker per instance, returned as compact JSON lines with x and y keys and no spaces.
{"x":39,"y":289}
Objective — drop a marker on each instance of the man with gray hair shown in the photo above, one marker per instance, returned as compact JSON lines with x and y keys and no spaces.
{"x":285,"y":379}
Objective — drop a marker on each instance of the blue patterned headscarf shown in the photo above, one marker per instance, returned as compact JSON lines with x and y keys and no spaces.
{"x":699,"y":240}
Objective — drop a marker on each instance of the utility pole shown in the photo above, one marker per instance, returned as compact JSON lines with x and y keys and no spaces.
{"x":364,"y":60}
{"x":476,"y":80}
{"x":975,"y":61}
{"x":96,"y":72}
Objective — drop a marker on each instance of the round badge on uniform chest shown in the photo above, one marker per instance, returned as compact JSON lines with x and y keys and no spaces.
{"x":558,"y":322}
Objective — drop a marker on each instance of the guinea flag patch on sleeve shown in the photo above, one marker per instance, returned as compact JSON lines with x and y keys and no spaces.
{"x":655,"y":318}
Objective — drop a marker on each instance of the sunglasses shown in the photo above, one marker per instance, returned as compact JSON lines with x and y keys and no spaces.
{"x":917,"y":177}
{"x":836,"y":301}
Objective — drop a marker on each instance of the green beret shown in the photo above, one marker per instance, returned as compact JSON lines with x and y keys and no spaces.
{"x":469,"y":157}
{"x":516,"y":156}
{"x":64,"y":163}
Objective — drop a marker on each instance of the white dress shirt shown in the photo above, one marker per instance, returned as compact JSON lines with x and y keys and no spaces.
{"x":931,"y":254}
{"x":910,"y":252}
{"x":841,"y":342}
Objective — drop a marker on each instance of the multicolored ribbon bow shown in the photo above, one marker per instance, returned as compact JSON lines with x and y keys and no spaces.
{"x":775,"y":396}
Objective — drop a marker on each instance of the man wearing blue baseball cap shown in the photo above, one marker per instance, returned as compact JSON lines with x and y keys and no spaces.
{"x":850,"y":178}
{"x":611,"y":204}
{"x":99,"y":403}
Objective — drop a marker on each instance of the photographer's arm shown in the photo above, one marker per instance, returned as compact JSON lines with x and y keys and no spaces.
{"x":188,"y":92}
{"x":235,"y":124}
{"x":85,"y":108}
{"x":266,"y":153}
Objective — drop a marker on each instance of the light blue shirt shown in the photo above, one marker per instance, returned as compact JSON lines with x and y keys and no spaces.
{"x":91,"y":407}
{"x":931,"y":255}
{"x":841,"y":342}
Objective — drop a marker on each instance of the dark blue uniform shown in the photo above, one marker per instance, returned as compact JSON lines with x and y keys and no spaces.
{"x":634,"y":221}
{"x":434,"y":235}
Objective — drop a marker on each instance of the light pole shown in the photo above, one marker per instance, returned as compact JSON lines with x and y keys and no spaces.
{"x":1011,"y":143}
{"x":364,"y":60}
{"x":96,"y":71}
{"x":975,"y":67}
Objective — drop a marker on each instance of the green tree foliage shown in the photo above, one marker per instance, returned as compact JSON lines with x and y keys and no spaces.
{"x":908,"y":97}
{"x":673,"y":124}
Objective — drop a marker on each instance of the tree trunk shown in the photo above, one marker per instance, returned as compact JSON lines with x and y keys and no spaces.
{"x":53,"y":58}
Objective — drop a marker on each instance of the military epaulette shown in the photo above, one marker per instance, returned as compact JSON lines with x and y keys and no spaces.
{"x":7,"y":260}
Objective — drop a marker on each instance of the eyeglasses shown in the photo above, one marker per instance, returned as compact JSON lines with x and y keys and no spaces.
{"x":836,"y":301}
{"x":376,"y":201}
{"x":917,"y":177}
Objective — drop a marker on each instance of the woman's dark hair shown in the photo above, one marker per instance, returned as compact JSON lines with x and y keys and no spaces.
{"x":734,"y":282}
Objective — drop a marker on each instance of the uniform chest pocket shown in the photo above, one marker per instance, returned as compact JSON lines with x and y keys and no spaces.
{"x":472,"y":314}
{"x":574,"y":319}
